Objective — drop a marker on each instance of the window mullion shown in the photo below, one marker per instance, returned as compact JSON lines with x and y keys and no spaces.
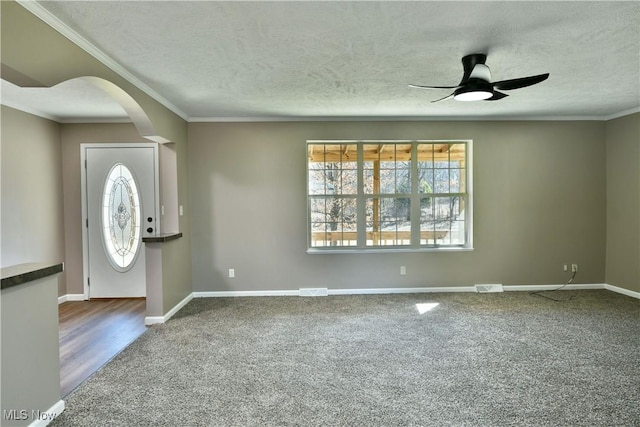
{"x":360,"y":200}
{"x":376,"y":203}
{"x":415,"y":197}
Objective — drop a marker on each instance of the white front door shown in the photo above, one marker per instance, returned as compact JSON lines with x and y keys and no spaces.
{"x":121,"y":190}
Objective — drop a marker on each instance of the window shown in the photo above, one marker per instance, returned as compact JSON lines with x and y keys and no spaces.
{"x":389,"y":195}
{"x":120,"y":218}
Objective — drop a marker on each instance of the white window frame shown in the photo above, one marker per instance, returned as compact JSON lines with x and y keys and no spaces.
{"x":414,"y":196}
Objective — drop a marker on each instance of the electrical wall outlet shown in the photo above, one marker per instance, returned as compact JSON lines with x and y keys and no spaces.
{"x":403,"y":270}
{"x":565,"y":267}
{"x":574,"y":268}
{"x":232,"y":273}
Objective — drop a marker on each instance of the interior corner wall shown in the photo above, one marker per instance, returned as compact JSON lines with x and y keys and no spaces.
{"x":32,"y":210}
{"x":539,"y":203}
{"x":623,"y":202}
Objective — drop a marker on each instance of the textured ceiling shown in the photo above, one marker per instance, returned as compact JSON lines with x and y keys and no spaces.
{"x":346,"y":59}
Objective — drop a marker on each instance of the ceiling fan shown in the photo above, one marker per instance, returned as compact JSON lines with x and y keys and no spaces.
{"x":476,"y":82}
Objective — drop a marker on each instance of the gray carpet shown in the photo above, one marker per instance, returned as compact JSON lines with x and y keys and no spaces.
{"x":474,"y":360}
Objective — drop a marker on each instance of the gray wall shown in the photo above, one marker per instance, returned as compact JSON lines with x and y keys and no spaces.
{"x":623,"y":202}
{"x":32,"y":226}
{"x":539,"y":191}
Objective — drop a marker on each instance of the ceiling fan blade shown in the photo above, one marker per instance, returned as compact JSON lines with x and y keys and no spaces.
{"x":521,"y":82}
{"x":433,"y":87}
{"x":496,"y":96}
{"x":442,"y":99}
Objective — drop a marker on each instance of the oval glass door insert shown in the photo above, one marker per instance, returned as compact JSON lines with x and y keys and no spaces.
{"x":121,"y":218}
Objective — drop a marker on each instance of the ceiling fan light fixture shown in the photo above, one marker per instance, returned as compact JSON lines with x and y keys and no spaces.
{"x":473,"y":92}
{"x":476,"y":95}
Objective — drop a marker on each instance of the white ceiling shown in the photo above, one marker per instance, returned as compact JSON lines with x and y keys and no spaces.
{"x":237,"y":60}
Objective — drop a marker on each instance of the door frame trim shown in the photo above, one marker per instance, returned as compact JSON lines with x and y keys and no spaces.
{"x":84,"y":197}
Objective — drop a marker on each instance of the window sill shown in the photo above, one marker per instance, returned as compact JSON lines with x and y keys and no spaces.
{"x":318,"y":251}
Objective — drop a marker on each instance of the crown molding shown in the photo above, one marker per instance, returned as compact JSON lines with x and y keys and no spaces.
{"x":623,"y":113}
{"x":55,"y":23}
{"x":402,"y":118}
{"x":94,"y":120}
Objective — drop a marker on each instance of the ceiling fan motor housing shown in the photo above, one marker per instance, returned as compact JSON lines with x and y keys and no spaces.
{"x":469,"y":62}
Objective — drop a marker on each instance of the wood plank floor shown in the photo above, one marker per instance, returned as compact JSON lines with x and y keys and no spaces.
{"x":93,"y":332}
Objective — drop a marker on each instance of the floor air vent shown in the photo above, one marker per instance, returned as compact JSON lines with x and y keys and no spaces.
{"x":489,"y":288}
{"x":314,"y":292}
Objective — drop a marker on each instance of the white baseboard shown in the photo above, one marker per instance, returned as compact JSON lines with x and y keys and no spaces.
{"x":154,"y":320}
{"x":71,"y":297}
{"x":366,"y":291}
{"x":622,"y":291}
{"x":417,"y":290}
{"x":382,"y":291}
{"x":536,"y":288}
{"x":47,"y":416}
{"x":227,"y":294}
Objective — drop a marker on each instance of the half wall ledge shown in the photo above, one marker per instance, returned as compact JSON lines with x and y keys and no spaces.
{"x":162,"y":237}
{"x":23,"y":273}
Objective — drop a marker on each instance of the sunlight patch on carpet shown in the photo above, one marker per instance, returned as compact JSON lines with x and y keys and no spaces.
{"x":426,"y":306}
